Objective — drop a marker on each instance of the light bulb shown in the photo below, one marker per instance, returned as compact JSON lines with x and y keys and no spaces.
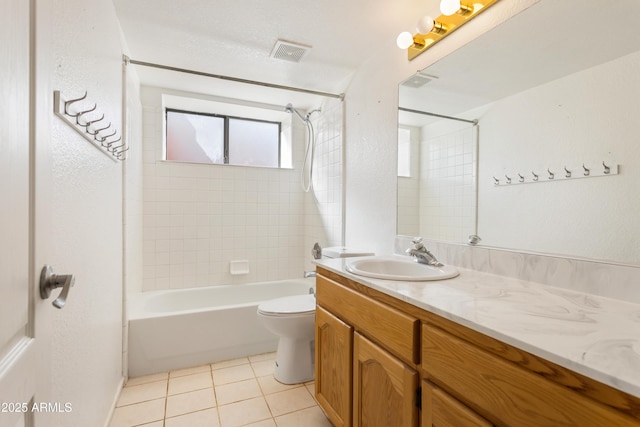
{"x":425,"y":24}
{"x":449,"y":7}
{"x":404,"y":40}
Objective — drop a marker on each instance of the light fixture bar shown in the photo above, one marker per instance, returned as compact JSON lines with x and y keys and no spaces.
{"x":467,"y":11}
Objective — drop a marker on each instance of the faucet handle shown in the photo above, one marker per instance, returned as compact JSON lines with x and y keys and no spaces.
{"x":417,"y":243}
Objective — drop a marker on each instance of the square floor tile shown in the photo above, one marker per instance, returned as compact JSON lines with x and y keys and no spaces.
{"x":244,"y":412}
{"x":270,"y":385}
{"x":265,"y":423}
{"x":289,"y":401}
{"x":311,"y":386}
{"x":310,"y":417}
{"x":179,"y":404}
{"x":235,"y":392}
{"x":232,"y":374}
{"x":190,"y":383}
{"x":139,"y":413}
{"x":142,"y":393}
{"x":206,"y":418}
{"x":264,"y":367}
{"x":232,"y":393}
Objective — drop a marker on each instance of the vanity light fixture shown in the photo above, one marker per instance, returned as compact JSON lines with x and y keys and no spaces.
{"x":449,"y":7}
{"x":430,"y":30}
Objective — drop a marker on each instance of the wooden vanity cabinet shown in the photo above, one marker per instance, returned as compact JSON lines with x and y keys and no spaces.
{"x":334,"y":363}
{"x":511,"y":387}
{"x":366,"y":351}
{"x":384,"y":387}
{"x":379,"y":358}
{"x":439,"y":409}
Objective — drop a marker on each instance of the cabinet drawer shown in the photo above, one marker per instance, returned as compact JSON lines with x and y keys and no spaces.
{"x":441,"y":410}
{"x":506,"y":393}
{"x":394,"y":330}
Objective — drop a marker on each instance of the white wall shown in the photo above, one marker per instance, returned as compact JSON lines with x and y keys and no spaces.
{"x":371,"y":123}
{"x":587,"y":117}
{"x":198,"y":218}
{"x":79,"y":50}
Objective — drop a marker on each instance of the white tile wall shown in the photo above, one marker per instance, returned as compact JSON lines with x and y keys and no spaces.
{"x":198,"y":218}
{"x":447,"y":187}
{"x":409,"y":190}
{"x":324,"y":206}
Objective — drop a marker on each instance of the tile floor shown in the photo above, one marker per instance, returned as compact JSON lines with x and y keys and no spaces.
{"x":238,"y":392}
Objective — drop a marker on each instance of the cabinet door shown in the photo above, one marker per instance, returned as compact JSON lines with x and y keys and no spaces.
{"x":334,"y":356}
{"x":441,"y":410}
{"x":384,"y":388}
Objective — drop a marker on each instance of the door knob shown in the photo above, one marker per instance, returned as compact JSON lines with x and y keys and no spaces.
{"x":49,"y":281}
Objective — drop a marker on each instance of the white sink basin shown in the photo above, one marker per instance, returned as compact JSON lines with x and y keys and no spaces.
{"x":398,"y":268}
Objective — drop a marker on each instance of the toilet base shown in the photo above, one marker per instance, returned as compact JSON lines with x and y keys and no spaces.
{"x":295,"y":361}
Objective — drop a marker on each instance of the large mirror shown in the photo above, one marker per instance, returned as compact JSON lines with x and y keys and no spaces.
{"x":553,"y":165}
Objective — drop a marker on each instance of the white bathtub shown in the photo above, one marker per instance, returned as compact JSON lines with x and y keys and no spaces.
{"x":188,"y":327}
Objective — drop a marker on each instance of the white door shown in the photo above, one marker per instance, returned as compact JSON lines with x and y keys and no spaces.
{"x":18,"y":361}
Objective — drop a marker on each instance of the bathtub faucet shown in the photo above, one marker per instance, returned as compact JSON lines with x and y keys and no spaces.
{"x":309,"y":274}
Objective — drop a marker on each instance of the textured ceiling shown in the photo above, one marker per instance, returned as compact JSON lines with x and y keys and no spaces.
{"x":235,"y":38}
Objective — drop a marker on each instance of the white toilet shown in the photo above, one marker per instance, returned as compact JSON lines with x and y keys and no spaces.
{"x":292,"y":319}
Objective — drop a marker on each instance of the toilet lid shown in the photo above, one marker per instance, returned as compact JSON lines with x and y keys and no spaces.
{"x":289,"y":305}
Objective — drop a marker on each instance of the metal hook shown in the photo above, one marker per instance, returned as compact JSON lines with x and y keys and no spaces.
{"x":567,"y":172}
{"x":113,"y":142}
{"x":607,"y":169}
{"x":104,"y":138}
{"x":116,"y":151}
{"x":535,"y":177}
{"x":496,"y":181}
{"x":81,"y":113}
{"x":90,"y":122}
{"x":521,"y":177}
{"x":508,"y":179}
{"x":551,"y":174}
{"x":586,"y":171}
{"x":120,"y":155}
{"x":71,"y":101}
{"x":97,"y":131}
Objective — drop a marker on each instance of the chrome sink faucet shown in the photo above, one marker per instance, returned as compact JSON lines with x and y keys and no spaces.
{"x":422,"y":254}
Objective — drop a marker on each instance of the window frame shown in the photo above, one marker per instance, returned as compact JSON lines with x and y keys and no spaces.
{"x":226,"y":142}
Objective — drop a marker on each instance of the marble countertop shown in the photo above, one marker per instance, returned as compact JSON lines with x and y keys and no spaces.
{"x":594,"y":336}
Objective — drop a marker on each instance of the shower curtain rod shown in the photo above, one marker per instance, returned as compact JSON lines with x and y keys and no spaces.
{"x":426,"y":113}
{"x":128,"y":60}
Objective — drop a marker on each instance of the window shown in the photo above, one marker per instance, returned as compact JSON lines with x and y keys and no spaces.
{"x":218,"y":139}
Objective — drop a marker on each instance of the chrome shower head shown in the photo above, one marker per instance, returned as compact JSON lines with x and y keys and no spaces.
{"x":290,"y":109}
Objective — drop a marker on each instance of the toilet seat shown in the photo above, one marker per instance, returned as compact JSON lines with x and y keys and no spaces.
{"x":287,"y":306}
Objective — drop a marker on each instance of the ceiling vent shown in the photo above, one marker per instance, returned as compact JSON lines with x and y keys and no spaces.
{"x":289,"y":51}
{"x":418,"y":80}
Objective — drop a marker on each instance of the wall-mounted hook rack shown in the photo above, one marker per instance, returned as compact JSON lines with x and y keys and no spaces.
{"x":548,"y":175}
{"x":91,"y":127}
